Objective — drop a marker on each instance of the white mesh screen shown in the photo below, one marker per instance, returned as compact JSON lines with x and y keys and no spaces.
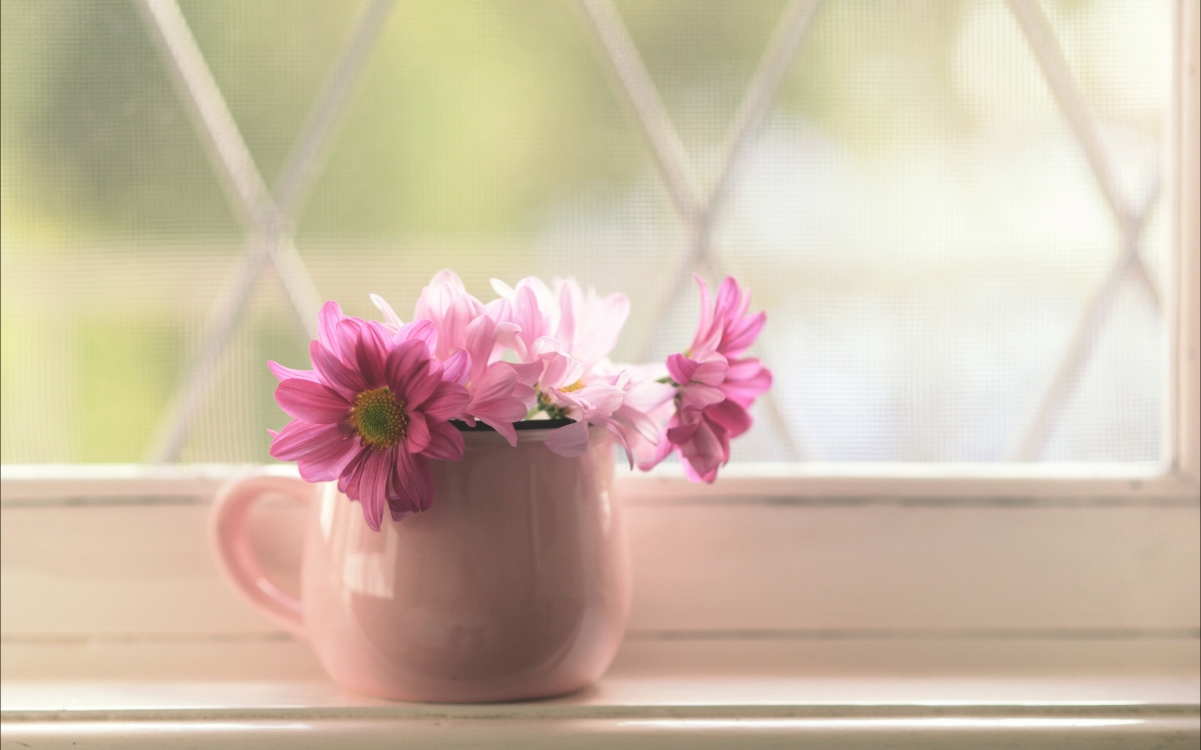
{"x":917,"y":210}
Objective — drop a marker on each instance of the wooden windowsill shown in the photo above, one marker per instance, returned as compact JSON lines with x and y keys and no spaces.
{"x":852,"y":613}
{"x":657,"y":694}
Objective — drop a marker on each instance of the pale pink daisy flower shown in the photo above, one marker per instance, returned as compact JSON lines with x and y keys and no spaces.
{"x":372,"y":412}
{"x":571,"y":332}
{"x":563,"y":388}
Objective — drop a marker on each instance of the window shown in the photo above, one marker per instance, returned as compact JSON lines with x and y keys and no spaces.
{"x":960,"y":215}
{"x":973,"y":225}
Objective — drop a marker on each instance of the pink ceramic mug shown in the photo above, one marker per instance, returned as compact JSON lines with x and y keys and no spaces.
{"x":514,"y":585}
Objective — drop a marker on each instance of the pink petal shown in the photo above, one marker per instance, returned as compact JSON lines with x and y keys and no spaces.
{"x":745,"y":390}
{"x":400,"y":505}
{"x":708,"y":330}
{"x":327,"y":455}
{"x":350,"y":480}
{"x":447,"y":279}
{"x":374,"y":485}
{"x":560,"y":370}
{"x":371,"y":352}
{"x":451,"y":279}
{"x":312,"y":402}
{"x":730,"y":415}
{"x":425,"y":481}
{"x":420,"y":330}
{"x":410,"y":374}
{"x":619,"y":430}
{"x":648,"y":396}
{"x":664,"y":447}
{"x":738,"y":338}
{"x":328,"y":467}
{"x":547,"y":345}
{"x":706,"y":449}
{"x":509,"y":335}
{"x":681,"y":368}
{"x":567,"y":306}
{"x":528,"y":316}
{"x":699,"y":396}
{"x":497,"y":400}
{"x":500,"y":414}
{"x":504,"y":427}
{"x":390,"y":317}
{"x":711,"y":370}
{"x":346,"y":339}
{"x":481,"y":343}
{"x":569,"y":441}
{"x":601,"y":398}
{"x":681,"y":434}
{"x":505,"y":409}
{"x":528,"y":372}
{"x":453,"y":330}
{"x":729,"y":298}
{"x":743,"y":369}
{"x":327,"y":323}
{"x":693,"y":476}
{"x":437,"y":302}
{"x":413,"y":473}
{"x":494,"y":385}
{"x":418,"y":433}
{"x":400,"y":502}
{"x":299,"y":438}
{"x":446,"y":442}
{"x":457,"y":367}
{"x":596,"y":336}
{"x":638,"y":420}
{"x":284,"y":373}
{"x":503,"y":290}
{"x":334,"y":372}
{"x":500,"y":310}
{"x":447,"y":401}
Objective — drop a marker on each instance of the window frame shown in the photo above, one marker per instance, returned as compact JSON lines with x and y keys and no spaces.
{"x":1175,"y":479}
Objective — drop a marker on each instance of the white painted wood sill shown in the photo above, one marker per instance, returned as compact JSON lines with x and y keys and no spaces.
{"x":619,"y":712}
{"x":895,"y":610}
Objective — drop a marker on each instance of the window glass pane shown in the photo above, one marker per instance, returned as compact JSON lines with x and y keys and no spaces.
{"x":917,"y":214}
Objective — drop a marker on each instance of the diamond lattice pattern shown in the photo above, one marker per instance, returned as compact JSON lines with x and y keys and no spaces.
{"x":954,"y":212}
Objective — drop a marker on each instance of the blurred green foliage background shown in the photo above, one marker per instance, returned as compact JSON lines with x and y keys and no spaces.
{"x":486,"y":137}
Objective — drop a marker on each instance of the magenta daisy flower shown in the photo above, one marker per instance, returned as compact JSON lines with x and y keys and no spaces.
{"x":371,"y":412}
{"x":715,"y":386}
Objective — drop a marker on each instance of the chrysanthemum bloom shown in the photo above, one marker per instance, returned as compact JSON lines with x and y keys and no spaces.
{"x":371,"y":412}
{"x":570,"y":333}
{"x":500,"y":392}
{"x":716,"y":386}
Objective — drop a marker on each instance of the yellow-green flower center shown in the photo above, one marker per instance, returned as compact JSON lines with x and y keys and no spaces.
{"x":379,"y":418}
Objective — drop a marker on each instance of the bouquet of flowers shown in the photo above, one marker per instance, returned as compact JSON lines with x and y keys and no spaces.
{"x":385,"y":397}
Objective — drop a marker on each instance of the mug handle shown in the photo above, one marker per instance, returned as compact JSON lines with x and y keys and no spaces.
{"x":235,"y":556}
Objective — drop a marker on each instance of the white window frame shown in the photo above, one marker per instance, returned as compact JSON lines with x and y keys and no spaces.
{"x":956,"y":505}
{"x":1176,"y":479}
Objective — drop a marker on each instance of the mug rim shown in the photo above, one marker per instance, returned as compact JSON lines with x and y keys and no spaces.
{"x":525,"y":424}
{"x":539,"y":434}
